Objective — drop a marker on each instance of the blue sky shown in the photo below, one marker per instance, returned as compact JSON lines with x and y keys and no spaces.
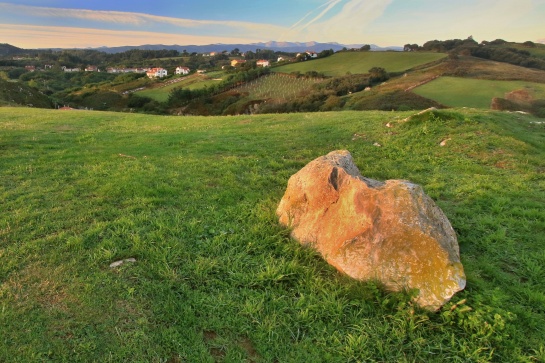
{"x":94,"y":23}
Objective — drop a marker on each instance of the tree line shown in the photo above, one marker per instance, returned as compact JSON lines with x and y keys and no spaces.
{"x":497,"y":50}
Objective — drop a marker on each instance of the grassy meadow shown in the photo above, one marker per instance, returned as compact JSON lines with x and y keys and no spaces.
{"x":161,"y":93}
{"x":478,"y":93}
{"x":342,"y":63}
{"x":215,"y":278}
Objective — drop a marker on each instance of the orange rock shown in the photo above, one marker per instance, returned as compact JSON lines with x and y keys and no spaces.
{"x":390,"y":231}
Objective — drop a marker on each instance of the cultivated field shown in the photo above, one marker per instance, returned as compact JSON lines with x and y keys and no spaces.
{"x":188,"y":204}
{"x":277,"y":86}
{"x":465,"y":92}
{"x":340,"y":64}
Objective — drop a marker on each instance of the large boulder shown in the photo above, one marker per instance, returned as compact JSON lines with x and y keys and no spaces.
{"x":390,"y":231}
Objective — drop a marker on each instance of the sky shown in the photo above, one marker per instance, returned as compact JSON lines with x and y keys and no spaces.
{"x":96,"y":23}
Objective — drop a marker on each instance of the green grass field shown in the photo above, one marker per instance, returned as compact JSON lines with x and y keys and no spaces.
{"x":360,"y":62}
{"x":192,"y":82}
{"x":464,"y":92}
{"x":277,"y":86}
{"x":215,"y":279}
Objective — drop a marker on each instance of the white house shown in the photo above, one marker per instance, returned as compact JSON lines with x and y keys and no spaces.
{"x":263,"y":63}
{"x":182,"y":70}
{"x":157,"y":73}
{"x":312,"y":54}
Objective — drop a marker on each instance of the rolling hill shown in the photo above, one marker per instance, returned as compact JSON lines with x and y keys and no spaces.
{"x":342,"y":63}
{"x":8,"y":49}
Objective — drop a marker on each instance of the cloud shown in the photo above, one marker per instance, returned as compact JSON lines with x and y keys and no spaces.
{"x":139,"y":20}
{"x":329,"y":5}
{"x":348,"y":25}
{"x":34,"y":36}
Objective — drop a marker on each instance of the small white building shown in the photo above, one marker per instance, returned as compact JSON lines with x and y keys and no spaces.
{"x":312,"y":54}
{"x":263,"y":63}
{"x":157,"y":73}
{"x":182,"y":70}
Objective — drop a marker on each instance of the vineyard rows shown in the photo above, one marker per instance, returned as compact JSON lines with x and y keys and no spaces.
{"x":281,"y":87}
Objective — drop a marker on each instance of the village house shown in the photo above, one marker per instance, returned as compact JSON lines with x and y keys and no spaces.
{"x":237,"y":62}
{"x":157,"y":73}
{"x":312,"y":54}
{"x":30,"y":68}
{"x":263,"y":63}
{"x":182,"y":70}
{"x":91,"y":69}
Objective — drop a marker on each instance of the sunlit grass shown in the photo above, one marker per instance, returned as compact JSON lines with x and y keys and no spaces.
{"x":192,"y":199}
{"x":340,"y":64}
{"x":478,"y":93}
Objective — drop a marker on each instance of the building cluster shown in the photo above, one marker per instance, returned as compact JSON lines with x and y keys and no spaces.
{"x":157,"y":72}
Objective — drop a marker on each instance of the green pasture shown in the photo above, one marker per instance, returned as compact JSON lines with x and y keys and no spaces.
{"x":192,"y":82}
{"x":188,"y":205}
{"x":342,"y":63}
{"x":477,"y":93}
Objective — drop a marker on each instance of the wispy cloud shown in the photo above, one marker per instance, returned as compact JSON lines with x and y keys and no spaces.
{"x":328,"y":6}
{"x":343,"y":26}
{"x":34,"y":36}
{"x":136,"y":19}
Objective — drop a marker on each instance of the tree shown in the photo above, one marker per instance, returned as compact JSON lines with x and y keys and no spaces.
{"x":378,"y":74}
{"x":326,"y":53}
{"x":365,"y":48}
{"x":410,"y":47}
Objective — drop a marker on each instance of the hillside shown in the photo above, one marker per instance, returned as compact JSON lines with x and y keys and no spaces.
{"x":453,"y":91}
{"x":409,"y":80}
{"x":8,"y":49}
{"x":160,"y":92}
{"x":188,"y":205}
{"x":342,"y":63}
{"x":19,"y":94}
{"x":408,"y":91}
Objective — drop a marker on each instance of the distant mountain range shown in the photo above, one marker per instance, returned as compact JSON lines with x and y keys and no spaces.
{"x":290,"y":47}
